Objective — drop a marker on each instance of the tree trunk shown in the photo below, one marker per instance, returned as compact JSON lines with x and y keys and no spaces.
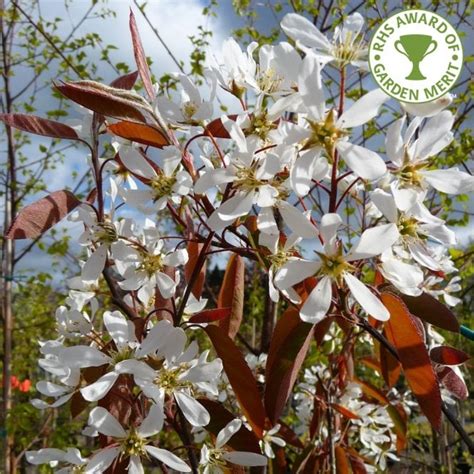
{"x":8,"y":251}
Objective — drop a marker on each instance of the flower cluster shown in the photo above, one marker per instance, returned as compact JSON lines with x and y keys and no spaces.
{"x":285,"y":183}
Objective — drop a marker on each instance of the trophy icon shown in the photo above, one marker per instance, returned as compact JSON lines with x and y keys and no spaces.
{"x":415,"y":48}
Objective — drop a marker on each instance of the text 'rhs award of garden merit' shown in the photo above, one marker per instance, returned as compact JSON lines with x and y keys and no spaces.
{"x":416,"y":56}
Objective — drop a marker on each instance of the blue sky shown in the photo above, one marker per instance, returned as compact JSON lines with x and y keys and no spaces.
{"x":175,"y":20}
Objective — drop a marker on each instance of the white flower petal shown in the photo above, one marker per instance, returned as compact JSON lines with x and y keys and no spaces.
{"x":176,"y":258}
{"x":173,"y":347}
{"x":428,"y":109}
{"x":310,"y":87}
{"x":363,"y":110}
{"x":166,"y":284}
{"x":293,"y":272}
{"x":227,"y":432}
{"x":394,"y":141}
{"x":368,"y":301}
{"x":243,"y":458}
{"x":105,"y":423}
{"x":51,"y":389}
{"x":118,"y":328}
{"x":168,"y":458}
{"x":318,"y":302}
{"x":135,"y":465}
{"x":299,"y":28}
{"x":45,"y":455}
{"x":94,"y":265}
{"x":374,"y":241}
{"x":193,"y":411}
{"x":236,"y":206}
{"x":100,"y":387}
{"x":328,"y":227}
{"x":212,"y":178}
{"x":83,"y":356}
{"x":137,"y":368}
{"x":406,"y":277}
{"x":102,"y":460}
{"x":303,"y":170}
{"x":435,"y":135}
{"x":155,"y":338}
{"x":450,"y":181}
{"x":422,"y":255}
{"x":235,"y":133}
{"x":365,"y":163}
{"x":385,"y":203}
{"x":266,"y":195}
{"x":405,"y":198}
{"x":153,"y":422}
{"x":297,"y":221}
{"x":266,"y":223}
{"x":136,"y":163}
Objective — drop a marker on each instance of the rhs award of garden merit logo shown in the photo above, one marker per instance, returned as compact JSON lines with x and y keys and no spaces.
{"x":416,"y":56}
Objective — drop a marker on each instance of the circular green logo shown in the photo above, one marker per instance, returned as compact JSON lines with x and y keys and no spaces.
{"x":416,"y":56}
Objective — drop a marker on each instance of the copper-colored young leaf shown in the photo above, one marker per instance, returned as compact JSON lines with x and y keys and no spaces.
{"x":139,"y":132}
{"x":231,"y":295}
{"x":216,"y":128}
{"x":342,"y":461}
{"x":414,"y":358}
{"x":373,"y":392}
{"x":243,"y":440}
{"x":446,"y":355}
{"x":399,"y":419}
{"x":127,"y":81}
{"x":105,"y":100}
{"x":194,"y":249}
{"x":92,"y":196}
{"x":37,"y":218}
{"x":140,"y":57}
{"x":389,"y":366}
{"x":240,"y":377}
{"x":429,"y":309}
{"x":289,"y":436}
{"x":453,"y":383}
{"x":357,"y":462}
{"x":210,"y":316}
{"x":288,"y":348}
{"x":39,"y":126}
{"x":345,"y":411}
{"x":322,"y":328}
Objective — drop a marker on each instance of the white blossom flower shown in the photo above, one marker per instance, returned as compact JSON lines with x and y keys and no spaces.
{"x":428,"y":109}
{"x":347,"y":45}
{"x":411,"y":160}
{"x":143,"y":266}
{"x":99,"y":236}
{"x":416,"y":226}
{"x":170,"y":182}
{"x":216,"y":459}
{"x":71,"y":459}
{"x":324,"y":131}
{"x":269,"y":438}
{"x":133,"y":443}
{"x":237,"y":68}
{"x":72,"y":321}
{"x":335,"y":267}
{"x":192,"y":110}
{"x":255,"y":181}
{"x":67,"y":378}
{"x":181,"y":376}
